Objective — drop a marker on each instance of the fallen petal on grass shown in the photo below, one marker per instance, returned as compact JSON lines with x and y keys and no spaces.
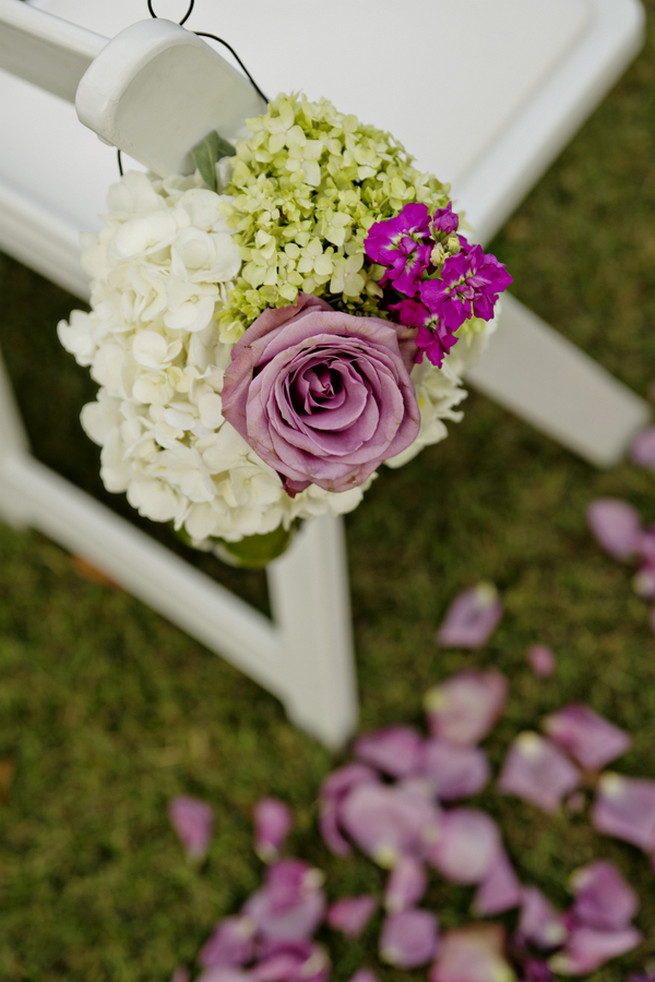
{"x":615,"y":525}
{"x":410,"y":938}
{"x":589,"y":738}
{"x":273,"y":821}
{"x":603,"y":899}
{"x":193,"y":822}
{"x":464,"y":708}
{"x":625,"y":809}
{"x":350,"y":915}
{"x":537,"y":772}
{"x":471,"y":618}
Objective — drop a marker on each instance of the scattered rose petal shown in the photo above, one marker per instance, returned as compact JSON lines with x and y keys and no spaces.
{"x":232,"y":943}
{"x":500,"y":890}
{"x":586,"y":736}
{"x":465,"y":707}
{"x":406,"y":885}
{"x":541,"y":659}
{"x":292,"y":961}
{"x":615,"y":525}
{"x":471,"y":618}
{"x":396,"y":750}
{"x":642,"y":451}
{"x":273,"y":821}
{"x":290,"y":905}
{"x":473,"y":954}
{"x":536,"y":771}
{"x":193,"y":822}
{"x":625,"y":809}
{"x":224,"y":973}
{"x":468,"y":846}
{"x":539,"y":922}
{"x":351,"y":914}
{"x":455,"y":771}
{"x":603,"y":899}
{"x":387,"y":822}
{"x":586,"y":949}
{"x":643,"y":582}
{"x":409,"y":939}
{"x":364,"y":975}
{"x":334,"y":790}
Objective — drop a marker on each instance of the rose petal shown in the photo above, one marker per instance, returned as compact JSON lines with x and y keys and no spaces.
{"x":468,"y":845}
{"x":642,"y":451}
{"x":232,"y":943}
{"x":473,"y":954}
{"x":406,"y":885}
{"x":455,"y":771}
{"x":465,"y":707}
{"x":625,"y":809}
{"x":193,"y":822}
{"x":586,"y":736}
{"x":273,"y":821}
{"x":603,"y":899}
{"x":542,"y":660}
{"x":536,"y":771}
{"x":471,"y":618}
{"x":615,"y":525}
{"x":500,"y":890}
{"x":539,"y":922}
{"x":291,"y":904}
{"x":334,"y":790}
{"x":396,"y":750}
{"x":299,"y":961}
{"x":364,"y":975}
{"x":586,"y":949}
{"x":409,"y":938}
{"x":224,"y":973}
{"x":351,"y":914}
{"x":387,"y":822}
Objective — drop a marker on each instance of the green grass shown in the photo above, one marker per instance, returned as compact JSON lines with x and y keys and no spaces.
{"x":107,"y":711}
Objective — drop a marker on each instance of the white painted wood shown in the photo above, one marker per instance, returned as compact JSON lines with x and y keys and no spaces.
{"x":156,"y":90}
{"x":538,"y":374}
{"x":45,"y":50}
{"x":13,"y":443}
{"x":309,"y":594}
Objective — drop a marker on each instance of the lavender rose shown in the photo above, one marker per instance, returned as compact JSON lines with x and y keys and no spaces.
{"x":323,"y":397}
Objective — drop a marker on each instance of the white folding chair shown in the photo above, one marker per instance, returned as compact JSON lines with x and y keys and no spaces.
{"x":491,"y":128}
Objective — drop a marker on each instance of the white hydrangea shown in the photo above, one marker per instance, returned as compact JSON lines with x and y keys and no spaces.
{"x":162,"y":270}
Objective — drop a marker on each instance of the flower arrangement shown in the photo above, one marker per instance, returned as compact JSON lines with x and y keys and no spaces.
{"x":263,"y":347}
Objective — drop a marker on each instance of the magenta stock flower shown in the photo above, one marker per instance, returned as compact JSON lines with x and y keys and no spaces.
{"x":403,"y":245}
{"x":464,"y":708}
{"x":409,"y":938}
{"x":471,"y":618}
{"x":468,"y":286}
{"x":193,"y":822}
{"x":591,"y":740}
{"x":323,"y":397}
{"x":536,"y":771}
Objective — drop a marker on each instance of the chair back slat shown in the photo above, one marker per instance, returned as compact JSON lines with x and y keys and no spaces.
{"x":45,"y":50}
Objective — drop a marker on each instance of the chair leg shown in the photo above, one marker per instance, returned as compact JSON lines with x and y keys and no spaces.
{"x":530,"y":369}
{"x":309,"y":594}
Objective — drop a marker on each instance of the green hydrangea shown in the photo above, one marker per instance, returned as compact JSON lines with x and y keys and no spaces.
{"x":307,"y":186}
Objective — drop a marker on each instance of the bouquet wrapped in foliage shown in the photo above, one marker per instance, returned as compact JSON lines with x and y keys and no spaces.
{"x":263,"y":344}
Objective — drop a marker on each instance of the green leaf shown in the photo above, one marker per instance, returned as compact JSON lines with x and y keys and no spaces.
{"x":205,"y":154}
{"x":254,"y":551}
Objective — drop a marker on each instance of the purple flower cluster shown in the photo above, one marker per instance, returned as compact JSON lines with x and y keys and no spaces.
{"x":434,"y":278}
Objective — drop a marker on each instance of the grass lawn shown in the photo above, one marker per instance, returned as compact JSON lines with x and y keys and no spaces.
{"x":107,"y":711}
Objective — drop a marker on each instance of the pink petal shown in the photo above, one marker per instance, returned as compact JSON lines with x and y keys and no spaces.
{"x":643,"y":582}
{"x":334,"y":790}
{"x":232,"y":943}
{"x":586,"y":949}
{"x":536,"y":771}
{"x":291,"y":904}
{"x":351,"y":914}
{"x":364,"y":975}
{"x":387,"y":822}
{"x":500,"y":890}
{"x":625,"y":809}
{"x":193,"y":822}
{"x":603,"y":899}
{"x":471,"y":618}
{"x":468,"y":846}
{"x":455,"y":771}
{"x":409,"y":939}
{"x":539,"y":922}
{"x":642,"y":451}
{"x":542,"y":660}
{"x":465,"y":707}
{"x":181,"y":974}
{"x":473,"y":954}
{"x":224,"y":973}
{"x":289,"y":961}
{"x":406,"y":885}
{"x":396,"y":750}
{"x":273,"y":821}
{"x":616,"y":526}
{"x":586,"y":736}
